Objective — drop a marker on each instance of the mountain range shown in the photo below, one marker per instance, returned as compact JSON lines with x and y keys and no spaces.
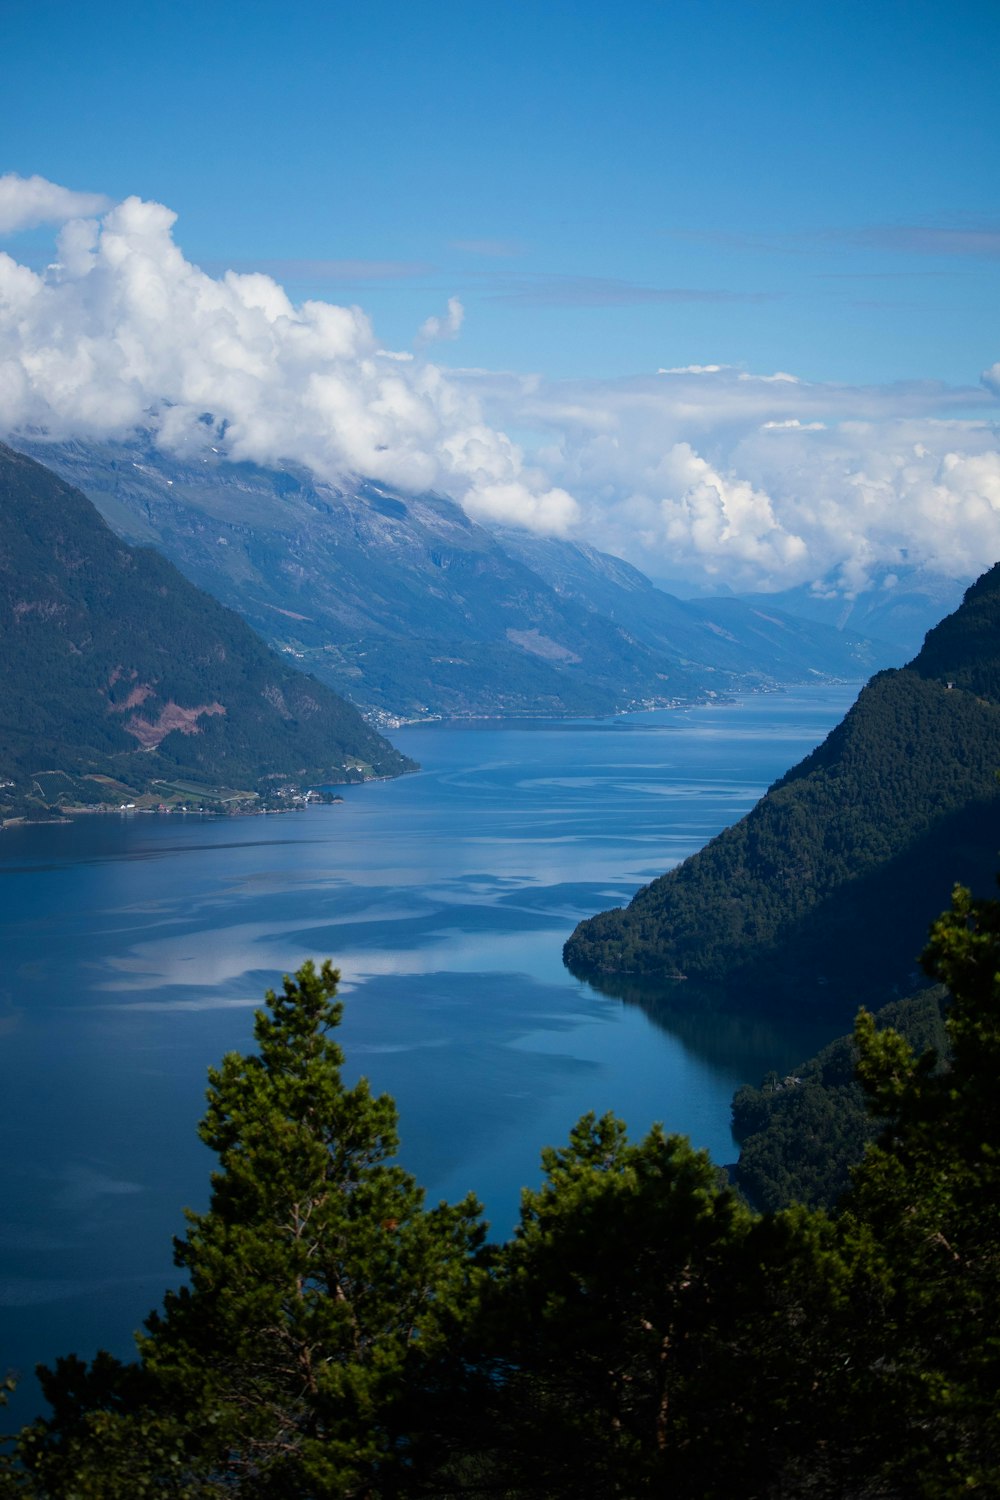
{"x":410,"y":609}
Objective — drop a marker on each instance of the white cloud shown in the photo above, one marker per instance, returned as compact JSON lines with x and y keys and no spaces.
{"x":710,"y":517}
{"x":731,"y":478}
{"x":691,"y":370}
{"x":778,"y":378}
{"x":28,"y":201}
{"x":122,"y":331}
{"x":435,"y":329}
{"x":705,"y":472}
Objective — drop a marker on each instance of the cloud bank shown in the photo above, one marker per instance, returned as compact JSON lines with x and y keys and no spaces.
{"x":703,"y":472}
{"x":122,"y":331}
{"x":767,"y":482}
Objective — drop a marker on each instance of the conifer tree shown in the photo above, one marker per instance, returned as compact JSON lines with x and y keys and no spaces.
{"x":930,"y":1193}
{"x":302,"y":1357}
{"x":602,"y":1297}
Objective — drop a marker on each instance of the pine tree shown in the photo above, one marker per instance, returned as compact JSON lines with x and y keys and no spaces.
{"x":303,"y":1356}
{"x":601,"y":1298}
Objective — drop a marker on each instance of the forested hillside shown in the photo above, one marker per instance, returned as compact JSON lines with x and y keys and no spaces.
{"x":800,"y":1135}
{"x":115,"y":666}
{"x":821,"y":895}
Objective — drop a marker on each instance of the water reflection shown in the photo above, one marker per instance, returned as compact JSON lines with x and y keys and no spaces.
{"x":705,"y":1020}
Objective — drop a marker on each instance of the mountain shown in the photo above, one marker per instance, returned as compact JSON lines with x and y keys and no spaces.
{"x":118,"y":673}
{"x":752,"y":640}
{"x":898,"y":607}
{"x":823,"y":894}
{"x":408,"y":607}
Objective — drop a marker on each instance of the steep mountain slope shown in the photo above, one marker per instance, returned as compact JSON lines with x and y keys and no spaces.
{"x":408,"y":607}
{"x":115,"y":665}
{"x":750,"y":640}
{"x":823,"y":894}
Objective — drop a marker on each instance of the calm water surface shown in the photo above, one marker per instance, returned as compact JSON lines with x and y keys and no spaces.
{"x":135,"y":948}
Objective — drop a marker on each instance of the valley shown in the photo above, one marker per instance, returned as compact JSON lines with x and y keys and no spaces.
{"x":411,"y":610}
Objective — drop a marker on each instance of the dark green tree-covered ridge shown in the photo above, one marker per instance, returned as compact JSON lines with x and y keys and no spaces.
{"x":821,"y":895}
{"x":115,"y":665}
{"x":800,"y":1135}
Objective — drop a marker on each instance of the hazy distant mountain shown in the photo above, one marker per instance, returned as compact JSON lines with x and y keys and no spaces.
{"x":823,"y":894}
{"x":751,"y":640}
{"x":409,"y":608}
{"x":115,"y":666}
{"x":899,"y":608}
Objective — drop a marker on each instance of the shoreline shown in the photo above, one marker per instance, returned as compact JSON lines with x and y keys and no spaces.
{"x":458,"y":721}
{"x":106,"y":810}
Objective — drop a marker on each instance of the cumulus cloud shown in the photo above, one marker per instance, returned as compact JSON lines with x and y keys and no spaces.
{"x":699,"y":511}
{"x":727,"y":477}
{"x":690,"y":370}
{"x":793,"y":422}
{"x":702,"y":472}
{"x":122,"y":331}
{"x":780,"y":377}
{"x":28,"y":201}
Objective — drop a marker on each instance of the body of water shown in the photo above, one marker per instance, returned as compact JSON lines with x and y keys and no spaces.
{"x":135,"y":948}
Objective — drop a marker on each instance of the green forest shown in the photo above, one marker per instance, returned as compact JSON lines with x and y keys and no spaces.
{"x":826,"y":887}
{"x":802,"y":1134}
{"x":644,"y":1331}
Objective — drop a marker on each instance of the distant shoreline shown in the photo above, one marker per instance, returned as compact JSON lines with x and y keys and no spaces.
{"x":71,"y":813}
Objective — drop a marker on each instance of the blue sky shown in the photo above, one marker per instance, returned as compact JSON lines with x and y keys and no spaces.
{"x":607,"y":192}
